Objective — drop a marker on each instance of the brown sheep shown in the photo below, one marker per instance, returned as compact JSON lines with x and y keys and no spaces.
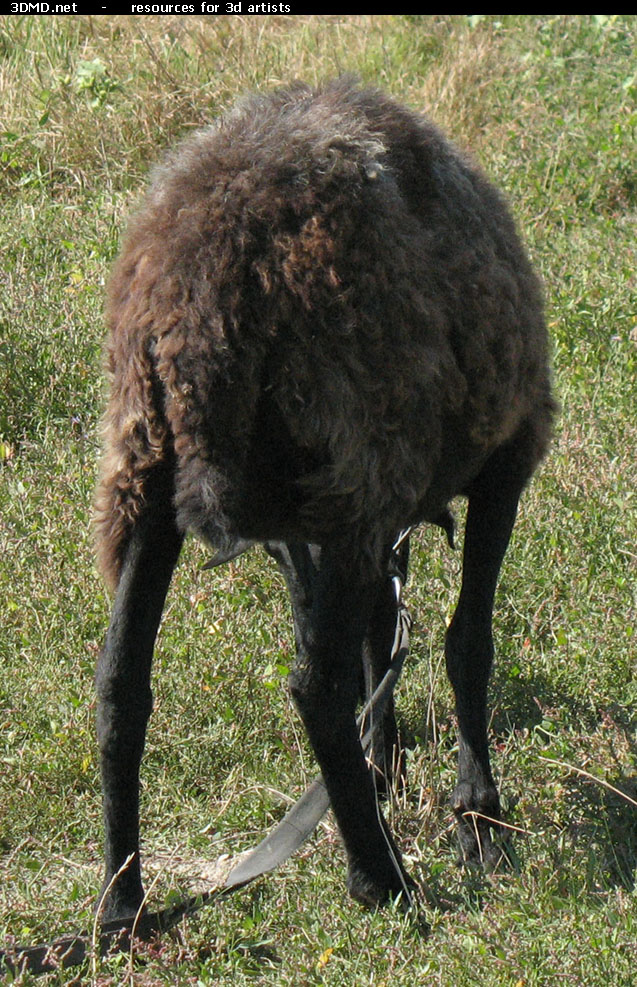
{"x":323,"y":327}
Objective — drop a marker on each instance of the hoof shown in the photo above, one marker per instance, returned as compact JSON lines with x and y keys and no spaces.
{"x":478,"y":816}
{"x":481,"y":854}
{"x":112,"y":906}
{"x":373,"y":891}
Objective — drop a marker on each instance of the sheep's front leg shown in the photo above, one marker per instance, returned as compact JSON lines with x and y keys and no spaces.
{"x":493,"y":502}
{"x":300,"y":564}
{"x":325,"y":687}
{"x":386,"y":755}
{"x":125,"y":699}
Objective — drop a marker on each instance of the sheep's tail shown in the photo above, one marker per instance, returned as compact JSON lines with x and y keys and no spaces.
{"x":136,"y":443}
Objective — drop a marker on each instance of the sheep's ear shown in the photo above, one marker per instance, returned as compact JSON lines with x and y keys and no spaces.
{"x":230,"y":551}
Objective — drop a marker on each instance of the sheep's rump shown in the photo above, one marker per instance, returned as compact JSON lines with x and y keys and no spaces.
{"x":323,"y":319}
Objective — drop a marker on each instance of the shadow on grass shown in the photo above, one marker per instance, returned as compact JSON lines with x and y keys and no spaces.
{"x":600,"y":824}
{"x":602,"y":821}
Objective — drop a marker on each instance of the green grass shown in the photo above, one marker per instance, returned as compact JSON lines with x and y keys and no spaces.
{"x":548,"y":104}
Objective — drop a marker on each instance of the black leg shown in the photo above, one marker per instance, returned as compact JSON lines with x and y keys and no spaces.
{"x":493,"y":501}
{"x":300,"y":564}
{"x":325,"y":686}
{"x":386,"y":755}
{"x":123,"y":687}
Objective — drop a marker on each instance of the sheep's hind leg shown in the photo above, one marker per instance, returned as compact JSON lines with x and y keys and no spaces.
{"x":123,"y":689}
{"x":325,"y":686}
{"x":493,"y":501}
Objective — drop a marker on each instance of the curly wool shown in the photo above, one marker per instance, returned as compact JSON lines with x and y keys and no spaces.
{"x":324,"y":317}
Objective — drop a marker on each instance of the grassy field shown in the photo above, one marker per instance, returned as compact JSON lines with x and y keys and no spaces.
{"x":548,"y":105}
